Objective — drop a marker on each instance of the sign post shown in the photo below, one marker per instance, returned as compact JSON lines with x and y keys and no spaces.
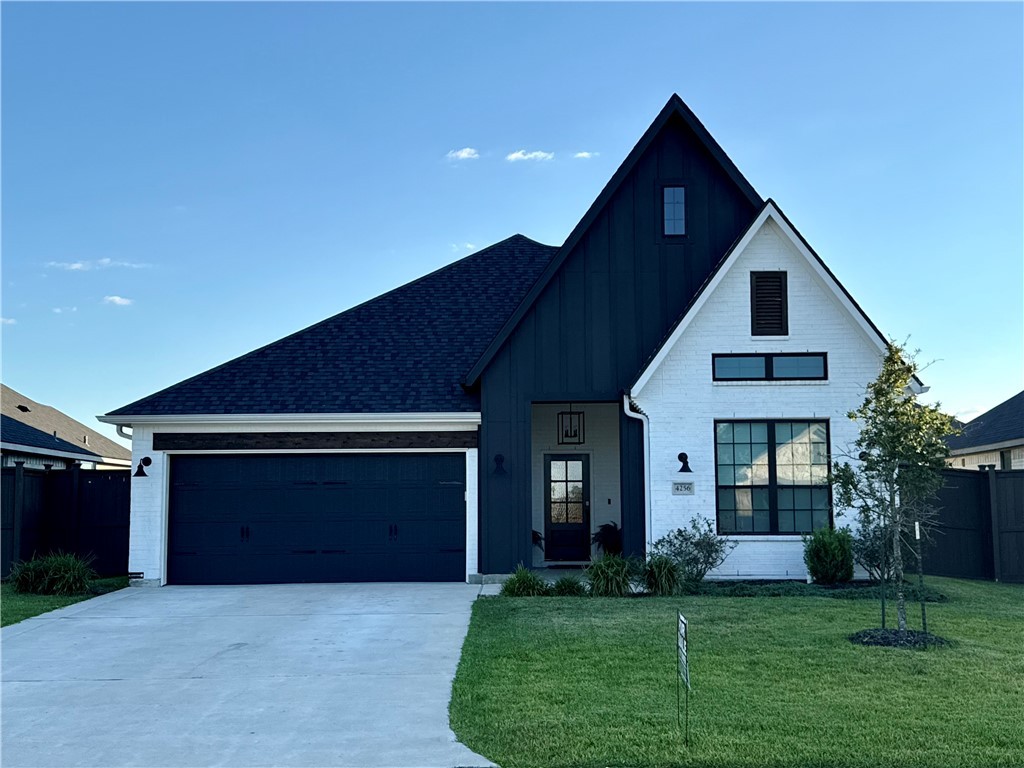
{"x":682,"y":674}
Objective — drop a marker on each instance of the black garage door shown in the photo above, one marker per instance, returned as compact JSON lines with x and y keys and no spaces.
{"x":272,"y":519}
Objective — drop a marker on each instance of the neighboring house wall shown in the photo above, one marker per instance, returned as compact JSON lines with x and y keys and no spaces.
{"x":595,"y":323}
{"x":973,"y":460}
{"x":147,"y":551}
{"x":682,"y":402}
{"x":601,"y":422}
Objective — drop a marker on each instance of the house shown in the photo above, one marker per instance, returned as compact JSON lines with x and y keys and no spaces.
{"x":684,"y":353}
{"x":995,"y":438}
{"x":40,"y":436}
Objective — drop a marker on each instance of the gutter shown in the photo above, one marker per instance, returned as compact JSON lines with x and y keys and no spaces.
{"x":642,"y":418}
{"x":471,"y":418}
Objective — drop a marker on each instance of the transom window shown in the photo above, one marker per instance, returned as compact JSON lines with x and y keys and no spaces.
{"x":772,"y":477}
{"x":795,"y":366}
{"x":674,"y":200}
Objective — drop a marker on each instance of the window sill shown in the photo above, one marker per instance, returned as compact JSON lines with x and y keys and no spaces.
{"x":737,"y":537}
{"x":773,"y":383}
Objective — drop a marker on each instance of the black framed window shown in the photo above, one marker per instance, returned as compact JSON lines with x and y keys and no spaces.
{"x":674,"y":210}
{"x":772,"y":477}
{"x":782,"y":366}
{"x":769,"y":304}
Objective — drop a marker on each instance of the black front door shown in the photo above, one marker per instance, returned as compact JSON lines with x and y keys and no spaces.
{"x":567,"y":506}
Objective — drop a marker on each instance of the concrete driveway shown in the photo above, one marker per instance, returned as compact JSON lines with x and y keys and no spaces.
{"x":279,"y":675}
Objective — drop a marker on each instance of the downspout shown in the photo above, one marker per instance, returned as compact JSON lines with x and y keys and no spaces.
{"x":642,"y":417}
{"x":122,"y":433}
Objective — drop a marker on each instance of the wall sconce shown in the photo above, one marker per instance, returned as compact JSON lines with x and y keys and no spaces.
{"x":570,"y":427}
{"x":145,"y":461}
{"x":685,"y":461}
{"x":499,"y":464}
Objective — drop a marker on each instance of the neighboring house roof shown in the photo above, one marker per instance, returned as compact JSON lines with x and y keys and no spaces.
{"x":998,"y":427}
{"x":770,"y":210}
{"x":41,"y":428}
{"x":404,"y":351}
{"x":675,"y":108}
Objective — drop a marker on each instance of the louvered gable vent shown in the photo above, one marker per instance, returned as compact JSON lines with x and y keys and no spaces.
{"x":769,"y":311}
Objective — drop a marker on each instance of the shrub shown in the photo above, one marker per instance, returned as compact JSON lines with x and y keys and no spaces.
{"x":870,"y":542}
{"x":610,"y":576}
{"x":524,"y":583}
{"x":661,"y":575}
{"x":695,"y":551}
{"x":569,"y":586}
{"x":56,"y":574}
{"x":608,"y":539}
{"x":828,"y":554}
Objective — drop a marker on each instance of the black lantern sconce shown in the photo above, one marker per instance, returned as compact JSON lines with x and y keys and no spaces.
{"x":145,"y":461}
{"x":499,"y":464}
{"x":685,"y":461}
{"x":570,"y":427}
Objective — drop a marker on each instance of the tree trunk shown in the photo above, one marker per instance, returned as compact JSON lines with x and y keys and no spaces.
{"x":920,"y":584}
{"x":897,"y":572}
{"x":884,"y":581}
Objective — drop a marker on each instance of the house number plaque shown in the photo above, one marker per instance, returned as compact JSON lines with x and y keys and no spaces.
{"x":682,"y":489}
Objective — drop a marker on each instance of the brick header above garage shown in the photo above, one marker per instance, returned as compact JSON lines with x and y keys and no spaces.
{"x":310,"y":441}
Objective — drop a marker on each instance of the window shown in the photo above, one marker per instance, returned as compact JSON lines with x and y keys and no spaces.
{"x":769,"y":306}
{"x":674,"y":200}
{"x":772,"y":477}
{"x":798,"y":366}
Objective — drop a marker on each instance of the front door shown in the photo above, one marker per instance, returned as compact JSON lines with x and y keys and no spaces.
{"x":567,"y":506}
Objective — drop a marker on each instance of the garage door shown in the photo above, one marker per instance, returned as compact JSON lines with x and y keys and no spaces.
{"x":317,"y":518}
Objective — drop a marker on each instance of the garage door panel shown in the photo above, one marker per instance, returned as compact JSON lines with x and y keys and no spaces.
{"x":317,"y":518}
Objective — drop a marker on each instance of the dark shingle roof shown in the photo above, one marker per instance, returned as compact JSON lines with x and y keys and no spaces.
{"x":404,"y":351}
{"x":31,"y":424}
{"x":1002,"y":424}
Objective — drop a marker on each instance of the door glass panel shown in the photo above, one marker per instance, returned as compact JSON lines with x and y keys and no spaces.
{"x":575,"y":513}
{"x":575,"y":470}
{"x":557,"y":512}
{"x":558,"y":491}
{"x":575,"y":491}
{"x":558,"y":470}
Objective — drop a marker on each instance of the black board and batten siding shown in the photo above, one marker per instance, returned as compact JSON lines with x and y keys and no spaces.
{"x":599,"y":319}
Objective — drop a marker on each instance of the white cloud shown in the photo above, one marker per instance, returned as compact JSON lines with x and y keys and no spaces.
{"x":522,"y":154}
{"x":62,"y":310}
{"x":118,"y":301}
{"x":456,"y":248}
{"x":586,"y":155}
{"x":8,"y":321}
{"x":86,"y":266}
{"x":466,"y":153}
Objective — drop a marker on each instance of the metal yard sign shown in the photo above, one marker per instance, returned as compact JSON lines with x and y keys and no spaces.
{"x":682,"y":672}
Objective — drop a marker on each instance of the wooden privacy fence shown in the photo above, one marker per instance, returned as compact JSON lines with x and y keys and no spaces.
{"x":979,"y":533}
{"x":85,"y":512}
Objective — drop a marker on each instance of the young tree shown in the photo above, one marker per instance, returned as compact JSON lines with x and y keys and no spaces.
{"x":901,"y":451}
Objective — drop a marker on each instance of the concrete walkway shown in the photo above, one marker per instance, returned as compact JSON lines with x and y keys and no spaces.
{"x":279,"y":675}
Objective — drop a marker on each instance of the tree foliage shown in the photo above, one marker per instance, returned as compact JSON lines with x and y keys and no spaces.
{"x":893,"y":480}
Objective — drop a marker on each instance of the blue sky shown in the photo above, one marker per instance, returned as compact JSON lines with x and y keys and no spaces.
{"x":183,"y":183}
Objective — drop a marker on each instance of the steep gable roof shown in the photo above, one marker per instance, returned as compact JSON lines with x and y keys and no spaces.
{"x":675,"y":109}
{"x":1002,"y":424}
{"x":404,"y":351}
{"x":768,"y":211}
{"x":34,"y":425}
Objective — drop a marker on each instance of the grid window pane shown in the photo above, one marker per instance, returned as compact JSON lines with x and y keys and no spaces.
{"x":558,"y":470}
{"x":558,"y":491}
{"x":574,"y":470}
{"x":674,"y":208}
{"x":574,"y":513}
{"x":557,"y":513}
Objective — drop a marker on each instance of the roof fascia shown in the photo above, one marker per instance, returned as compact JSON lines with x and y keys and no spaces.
{"x":773,"y":212}
{"x":675,"y":107}
{"x":969,"y":449}
{"x":471,"y":418}
{"x":33,"y":450}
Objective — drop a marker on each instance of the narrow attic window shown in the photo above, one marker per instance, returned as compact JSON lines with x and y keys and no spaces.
{"x":769,"y":305}
{"x":674,"y":202}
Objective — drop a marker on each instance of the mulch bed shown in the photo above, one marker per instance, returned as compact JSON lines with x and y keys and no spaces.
{"x":893,"y":638}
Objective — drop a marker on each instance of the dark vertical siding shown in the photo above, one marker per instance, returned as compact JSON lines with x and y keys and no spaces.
{"x":596,"y":323}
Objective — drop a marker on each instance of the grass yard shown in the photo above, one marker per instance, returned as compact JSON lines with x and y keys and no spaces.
{"x":591,"y":682}
{"x":15,"y":607}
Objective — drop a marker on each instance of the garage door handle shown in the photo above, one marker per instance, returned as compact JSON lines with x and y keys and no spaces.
{"x":391,"y":532}
{"x":241,"y":533}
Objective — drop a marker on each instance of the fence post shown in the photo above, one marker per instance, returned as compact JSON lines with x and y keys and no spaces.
{"x":997,"y":574}
{"x":76,"y":509}
{"x":19,"y":506}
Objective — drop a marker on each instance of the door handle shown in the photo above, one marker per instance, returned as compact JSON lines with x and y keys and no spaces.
{"x":396,"y":531}
{"x":247,"y":534}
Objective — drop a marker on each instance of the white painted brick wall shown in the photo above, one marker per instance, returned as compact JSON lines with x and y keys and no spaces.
{"x":682,"y":402}
{"x":147,"y":541}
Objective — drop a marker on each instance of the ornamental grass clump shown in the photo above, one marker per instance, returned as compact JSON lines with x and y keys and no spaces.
{"x":610,"y":576}
{"x":661,"y":576}
{"x":55,"y":574}
{"x":569,"y":586}
{"x":525,"y":583}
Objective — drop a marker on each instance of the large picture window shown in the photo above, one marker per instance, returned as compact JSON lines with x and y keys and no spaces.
{"x":772,"y":477}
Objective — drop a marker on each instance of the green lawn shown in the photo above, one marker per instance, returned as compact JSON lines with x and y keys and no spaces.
{"x":15,"y":607}
{"x":591,"y":682}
